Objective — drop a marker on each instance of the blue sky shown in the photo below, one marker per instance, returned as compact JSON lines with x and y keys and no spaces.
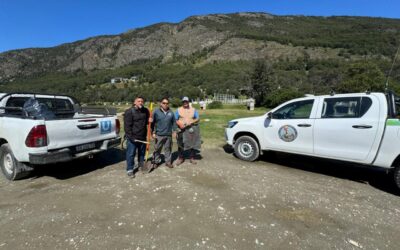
{"x":46,"y":23}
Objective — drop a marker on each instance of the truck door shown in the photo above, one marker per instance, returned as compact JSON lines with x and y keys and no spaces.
{"x":290,"y":129}
{"x":347,"y":127}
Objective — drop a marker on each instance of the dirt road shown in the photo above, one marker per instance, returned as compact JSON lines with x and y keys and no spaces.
{"x":222,"y":203}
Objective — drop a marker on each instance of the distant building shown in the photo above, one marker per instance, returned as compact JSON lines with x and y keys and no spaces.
{"x":229,"y":99}
{"x":124,"y":80}
{"x":116,"y":80}
{"x":134,"y":78}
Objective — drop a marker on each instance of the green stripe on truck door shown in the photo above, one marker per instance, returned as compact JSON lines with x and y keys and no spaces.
{"x":393,"y":122}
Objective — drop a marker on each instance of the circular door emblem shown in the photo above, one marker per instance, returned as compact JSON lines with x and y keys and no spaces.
{"x":287,"y":133}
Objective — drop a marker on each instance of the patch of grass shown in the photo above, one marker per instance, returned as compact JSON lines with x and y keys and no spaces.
{"x":215,"y":105}
{"x":213,"y":122}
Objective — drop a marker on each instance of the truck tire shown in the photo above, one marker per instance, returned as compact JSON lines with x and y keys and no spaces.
{"x":396,"y":175}
{"x":246,"y":148}
{"x":11,"y":168}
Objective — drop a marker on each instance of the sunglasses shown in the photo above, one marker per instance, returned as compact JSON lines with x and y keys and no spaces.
{"x":165,"y":103}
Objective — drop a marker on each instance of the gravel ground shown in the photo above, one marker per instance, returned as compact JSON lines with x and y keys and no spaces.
{"x":279,"y":202}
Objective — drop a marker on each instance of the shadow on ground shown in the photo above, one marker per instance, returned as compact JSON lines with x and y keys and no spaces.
{"x":375,"y":177}
{"x":174,"y":157}
{"x":79,"y":167}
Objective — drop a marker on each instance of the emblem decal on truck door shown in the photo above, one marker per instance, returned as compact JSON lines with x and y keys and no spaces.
{"x":105,"y":127}
{"x":287,"y":133}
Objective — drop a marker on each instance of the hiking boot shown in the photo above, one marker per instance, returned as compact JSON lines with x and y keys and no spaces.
{"x":130,"y":174}
{"x":152,"y":167}
{"x":169,"y":165}
{"x":179,"y":161}
{"x":193,"y":161}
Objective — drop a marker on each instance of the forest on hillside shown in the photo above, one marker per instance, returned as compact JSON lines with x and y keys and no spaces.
{"x":270,"y":83}
{"x":367,"y":47}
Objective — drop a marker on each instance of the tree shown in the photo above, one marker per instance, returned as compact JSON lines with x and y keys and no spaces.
{"x":280,"y":96}
{"x":362,"y":76}
{"x":260,"y":81}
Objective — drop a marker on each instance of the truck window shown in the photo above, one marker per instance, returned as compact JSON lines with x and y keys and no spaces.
{"x":294,"y":110}
{"x":396,"y":108}
{"x":393,"y":102}
{"x":16,"y":102}
{"x":55,"y":105}
{"x":345,"y":107}
{"x":62,"y":105}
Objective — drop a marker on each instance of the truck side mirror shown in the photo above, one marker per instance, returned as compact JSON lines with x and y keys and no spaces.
{"x":77,"y":108}
{"x":268,"y":120}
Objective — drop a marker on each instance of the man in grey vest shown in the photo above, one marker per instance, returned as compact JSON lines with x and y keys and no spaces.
{"x":163,"y":127}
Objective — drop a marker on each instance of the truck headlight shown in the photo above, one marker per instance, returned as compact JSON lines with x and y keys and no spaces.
{"x":231,"y":124}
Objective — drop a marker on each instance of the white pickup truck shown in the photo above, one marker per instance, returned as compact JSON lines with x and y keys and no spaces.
{"x":65,"y":132}
{"x":363,"y":128}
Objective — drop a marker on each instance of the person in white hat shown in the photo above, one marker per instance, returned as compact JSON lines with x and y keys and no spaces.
{"x":187,"y":119}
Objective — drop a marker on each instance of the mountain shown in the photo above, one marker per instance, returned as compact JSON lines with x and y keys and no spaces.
{"x":199,"y":41}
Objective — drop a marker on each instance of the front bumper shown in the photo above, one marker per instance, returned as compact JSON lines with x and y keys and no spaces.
{"x":68,"y":154}
{"x":229,"y":136}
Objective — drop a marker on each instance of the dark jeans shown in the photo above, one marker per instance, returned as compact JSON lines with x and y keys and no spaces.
{"x":131,"y":153}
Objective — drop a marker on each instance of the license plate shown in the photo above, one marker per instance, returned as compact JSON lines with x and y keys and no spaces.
{"x":85,"y":146}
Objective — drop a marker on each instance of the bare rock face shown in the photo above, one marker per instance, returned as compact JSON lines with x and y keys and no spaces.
{"x":236,"y":49}
{"x":232,"y":37}
{"x":219,"y":18}
{"x":161,"y":40}
{"x":96,"y":53}
{"x":255,"y":15}
{"x":197,"y":38}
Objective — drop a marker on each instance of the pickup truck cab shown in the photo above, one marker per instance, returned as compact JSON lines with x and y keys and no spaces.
{"x":361,"y":128}
{"x":69,"y":132}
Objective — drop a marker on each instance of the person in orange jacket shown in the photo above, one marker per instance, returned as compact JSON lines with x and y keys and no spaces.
{"x":187,"y":119}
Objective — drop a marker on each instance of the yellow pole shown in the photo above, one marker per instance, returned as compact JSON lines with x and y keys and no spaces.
{"x":149,"y":132}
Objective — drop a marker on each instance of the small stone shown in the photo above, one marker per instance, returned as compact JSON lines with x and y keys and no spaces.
{"x":354,"y":243}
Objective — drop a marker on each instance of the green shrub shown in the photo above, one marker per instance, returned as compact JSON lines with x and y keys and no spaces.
{"x":215,"y":105}
{"x":280,"y":96}
{"x":175,"y":102}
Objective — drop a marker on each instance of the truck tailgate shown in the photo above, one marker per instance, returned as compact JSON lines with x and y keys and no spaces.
{"x":82,"y":132}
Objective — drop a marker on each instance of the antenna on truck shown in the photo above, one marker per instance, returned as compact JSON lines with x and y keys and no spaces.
{"x":391,"y":69}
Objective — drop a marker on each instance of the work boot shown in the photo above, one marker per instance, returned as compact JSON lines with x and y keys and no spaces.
{"x":169,"y":165}
{"x":193,"y":161}
{"x":130,"y":174}
{"x":179,"y":161}
{"x":152,"y":167}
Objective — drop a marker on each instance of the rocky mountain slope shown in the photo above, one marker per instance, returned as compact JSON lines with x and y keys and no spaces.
{"x":211,"y":38}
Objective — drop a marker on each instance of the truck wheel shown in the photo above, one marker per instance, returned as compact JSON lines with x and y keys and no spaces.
{"x":11,"y":168}
{"x":246,"y":148}
{"x":396,"y":175}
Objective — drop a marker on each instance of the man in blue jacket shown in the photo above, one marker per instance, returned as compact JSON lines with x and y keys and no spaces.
{"x":163,"y":127}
